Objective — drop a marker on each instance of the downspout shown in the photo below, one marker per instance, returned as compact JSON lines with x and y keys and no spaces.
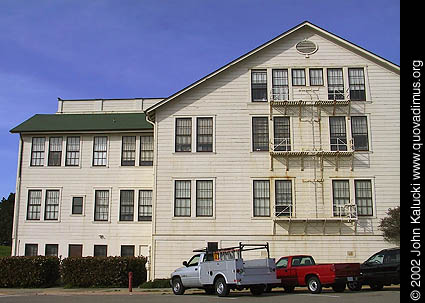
{"x":15,"y":245}
{"x":151,"y":267}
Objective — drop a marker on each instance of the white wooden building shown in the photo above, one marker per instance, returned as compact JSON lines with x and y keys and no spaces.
{"x":295,"y":143}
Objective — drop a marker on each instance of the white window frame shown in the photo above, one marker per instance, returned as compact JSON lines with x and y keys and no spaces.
{"x":83,"y":207}
{"x":194,"y":135}
{"x":109,"y":189}
{"x":108,"y":149}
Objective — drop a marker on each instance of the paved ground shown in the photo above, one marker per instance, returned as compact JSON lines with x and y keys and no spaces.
{"x":301,"y":295}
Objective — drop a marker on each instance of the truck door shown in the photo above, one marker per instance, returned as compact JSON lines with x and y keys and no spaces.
{"x":285,"y":273}
{"x":190,"y":278}
{"x":390,"y":266}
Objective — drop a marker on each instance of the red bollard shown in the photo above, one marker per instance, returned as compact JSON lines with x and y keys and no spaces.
{"x":130,"y":281}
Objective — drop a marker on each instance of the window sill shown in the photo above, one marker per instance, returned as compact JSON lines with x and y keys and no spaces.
{"x":194,"y":153}
{"x":42,"y":221}
{"x":261,"y":218}
{"x":193,"y":218}
{"x":133,"y":222}
{"x":101,"y":222}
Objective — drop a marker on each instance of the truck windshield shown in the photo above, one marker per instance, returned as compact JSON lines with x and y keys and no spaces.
{"x":282,"y":263}
{"x":194,"y":261}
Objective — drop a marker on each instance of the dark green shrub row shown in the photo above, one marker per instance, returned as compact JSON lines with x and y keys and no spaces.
{"x":157,"y":283}
{"x":29,"y":271}
{"x":103,"y":271}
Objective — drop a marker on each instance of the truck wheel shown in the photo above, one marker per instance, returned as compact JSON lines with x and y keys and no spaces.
{"x":221,"y":288}
{"x":314,"y":285}
{"x":354,"y":286}
{"x":178,"y":288}
{"x":338,"y":287}
{"x":268,"y":288}
{"x":257,"y":290}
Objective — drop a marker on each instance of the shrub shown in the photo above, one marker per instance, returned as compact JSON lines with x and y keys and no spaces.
{"x":29,"y":271}
{"x":103,"y":271}
{"x":157,"y":283}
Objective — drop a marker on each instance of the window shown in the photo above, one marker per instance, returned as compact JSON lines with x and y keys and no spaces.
{"x":100,"y":147}
{"x":282,"y":137}
{"x":260,"y":134}
{"x":182,"y":194}
{"x":128,"y":155}
{"x":282,"y":263}
{"x":341,"y":196}
{"x":363,"y":192}
{"x":316,"y":76}
{"x":280,"y":84}
{"x":127,"y":250}
{"x":204,"y":135}
{"x":77,"y":205}
{"x":51,"y":211}
{"x":194,"y":261}
{"x":359,"y":133}
{"x":37,"y":151}
{"x":126,"y":205}
{"x":51,"y":250}
{"x":72,"y":151}
{"x":335,"y":84}
{"x":145,"y":205}
{"x":31,"y":249}
{"x":298,"y":77}
{"x":283,"y":198}
{"x":101,"y":205}
{"x":183,"y":134}
{"x":146,"y":150}
{"x":75,"y":250}
{"x":303,"y":261}
{"x":376,"y":259}
{"x":100,"y":250}
{"x":55,"y":151}
{"x":338,"y":134}
{"x":34,"y":205}
{"x":357,"y":84}
{"x":259,"y":85}
{"x":261,"y":198}
{"x":204,"y":198}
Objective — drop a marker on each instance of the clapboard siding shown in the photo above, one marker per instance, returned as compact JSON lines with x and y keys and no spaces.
{"x":234,"y":166}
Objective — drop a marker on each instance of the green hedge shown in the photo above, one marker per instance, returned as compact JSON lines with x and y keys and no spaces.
{"x":157,"y":283}
{"x":103,"y":271}
{"x":29,"y":271}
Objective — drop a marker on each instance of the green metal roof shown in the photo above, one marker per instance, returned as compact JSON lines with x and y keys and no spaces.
{"x":84,"y":122}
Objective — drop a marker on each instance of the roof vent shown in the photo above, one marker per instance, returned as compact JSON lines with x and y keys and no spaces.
{"x":306,"y":47}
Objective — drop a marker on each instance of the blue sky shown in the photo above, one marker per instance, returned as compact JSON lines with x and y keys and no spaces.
{"x":77,"y":49}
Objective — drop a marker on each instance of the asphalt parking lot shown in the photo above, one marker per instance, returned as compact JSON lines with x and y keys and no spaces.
{"x":388,"y":295}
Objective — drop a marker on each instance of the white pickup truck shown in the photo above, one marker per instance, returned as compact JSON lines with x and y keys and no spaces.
{"x":224,"y":269}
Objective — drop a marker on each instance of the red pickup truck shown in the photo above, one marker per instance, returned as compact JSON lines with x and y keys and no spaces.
{"x":301,"y":270}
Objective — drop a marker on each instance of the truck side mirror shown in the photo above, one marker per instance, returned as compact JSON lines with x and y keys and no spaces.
{"x":185,"y":263}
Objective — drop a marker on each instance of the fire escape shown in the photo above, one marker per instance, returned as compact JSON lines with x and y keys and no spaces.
{"x":281,"y":149}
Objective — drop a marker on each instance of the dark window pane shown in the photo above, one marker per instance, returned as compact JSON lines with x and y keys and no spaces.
{"x":126,"y":205}
{"x":127,"y":250}
{"x":357,"y":84}
{"x":128,"y":156}
{"x":101,"y":208}
{"x":146,"y":150}
{"x":182,"y":198}
{"x":55,"y":151}
{"x":316,"y":76}
{"x":204,"y":198}
{"x":77,"y":205}
{"x":145,"y":205}
{"x":72,"y":151}
{"x":335,"y":84}
{"x":280,"y":84}
{"x":364,"y":204}
{"x":260,"y":134}
{"x":359,"y":133}
{"x":100,"y":250}
{"x":261,"y":198}
{"x":34,"y":205}
{"x":51,"y":211}
{"x":31,"y":249}
{"x":204,"y":135}
{"x":75,"y":250}
{"x":338,"y":133}
{"x":37,"y":151}
{"x":341,"y":196}
{"x":259,"y":85}
{"x":100,"y":147}
{"x":283,"y":198}
{"x":51,"y":250}
{"x":183,"y":134}
{"x":282,"y":137}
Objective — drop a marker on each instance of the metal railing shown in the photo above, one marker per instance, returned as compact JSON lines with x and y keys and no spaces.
{"x":283,"y":211}
{"x":283,"y":144}
{"x":346,"y":211}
